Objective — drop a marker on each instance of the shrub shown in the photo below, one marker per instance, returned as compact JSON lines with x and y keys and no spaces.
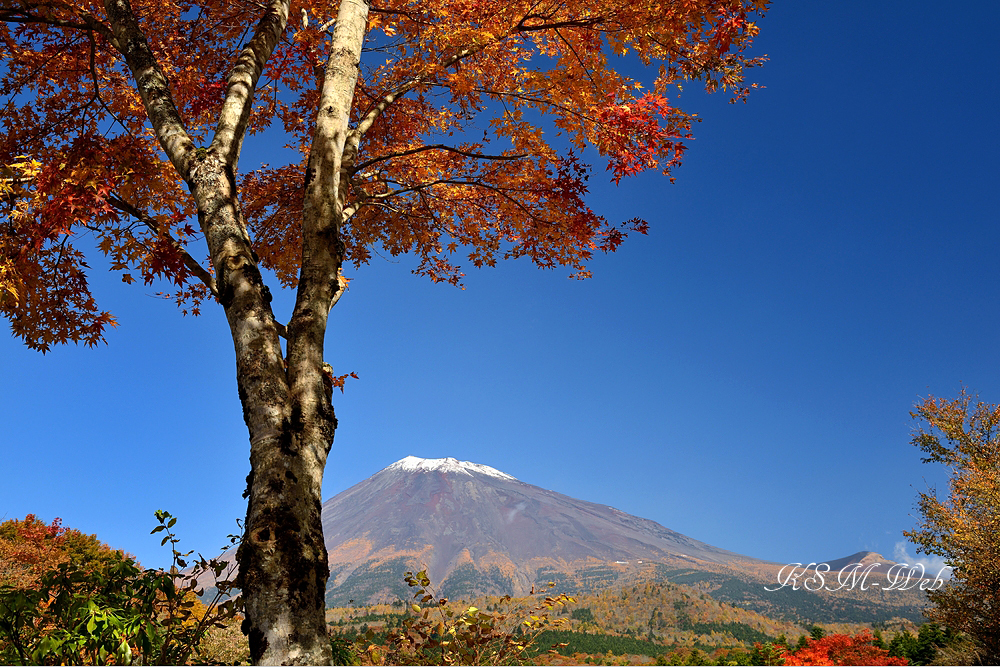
{"x":109,"y":610}
{"x":435,"y":634}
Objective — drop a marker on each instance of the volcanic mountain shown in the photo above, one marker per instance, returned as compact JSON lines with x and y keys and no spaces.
{"x":478,"y":530}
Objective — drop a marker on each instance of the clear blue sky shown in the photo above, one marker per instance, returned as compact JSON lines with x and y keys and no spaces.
{"x":742,"y":375}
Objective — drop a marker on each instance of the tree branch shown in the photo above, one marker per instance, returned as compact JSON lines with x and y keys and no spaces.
{"x":152,"y":86}
{"x":324,"y":190}
{"x":586,"y":70}
{"x":92,"y":61}
{"x":578,"y":23}
{"x":422,"y":187}
{"x":89,"y":21}
{"x":320,"y":280}
{"x":440,"y":147}
{"x":354,"y":138}
{"x":242,"y":82}
{"x":190,"y":262}
{"x":528,"y":98}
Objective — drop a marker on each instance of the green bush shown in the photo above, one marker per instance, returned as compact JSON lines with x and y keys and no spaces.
{"x":112,"y":611}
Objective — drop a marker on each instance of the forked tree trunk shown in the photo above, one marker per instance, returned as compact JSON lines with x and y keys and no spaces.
{"x":283,"y":558}
{"x":286,"y":401}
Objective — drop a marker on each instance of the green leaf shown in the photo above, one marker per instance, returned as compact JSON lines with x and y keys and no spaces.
{"x":124,"y":653}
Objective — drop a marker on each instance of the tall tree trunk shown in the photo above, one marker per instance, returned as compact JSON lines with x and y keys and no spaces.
{"x":282,"y":559}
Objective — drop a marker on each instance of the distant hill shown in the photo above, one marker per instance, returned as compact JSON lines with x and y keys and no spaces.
{"x":747,"y":588}
{"x":868,"y":560}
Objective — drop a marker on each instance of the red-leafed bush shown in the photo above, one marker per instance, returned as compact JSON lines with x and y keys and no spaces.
{"x":843,"y":650}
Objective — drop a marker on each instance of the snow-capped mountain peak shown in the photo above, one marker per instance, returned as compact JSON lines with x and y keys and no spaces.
{"x":445,"y":516}
{"x":417,"y":464}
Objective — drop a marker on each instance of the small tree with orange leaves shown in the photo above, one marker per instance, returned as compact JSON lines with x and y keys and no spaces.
{"x":30,"y":547}
{"x":77,"y":601}
{"x":964,"y":526}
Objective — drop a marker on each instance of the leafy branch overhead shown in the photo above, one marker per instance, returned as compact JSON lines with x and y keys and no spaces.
{"x":445,"y":156}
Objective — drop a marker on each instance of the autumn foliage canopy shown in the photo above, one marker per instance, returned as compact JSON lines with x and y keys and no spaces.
{"x":30,"y":547}
{"x":449,"y":158}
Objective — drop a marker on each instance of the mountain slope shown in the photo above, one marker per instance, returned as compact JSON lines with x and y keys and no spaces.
{"x":468,"y":523}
